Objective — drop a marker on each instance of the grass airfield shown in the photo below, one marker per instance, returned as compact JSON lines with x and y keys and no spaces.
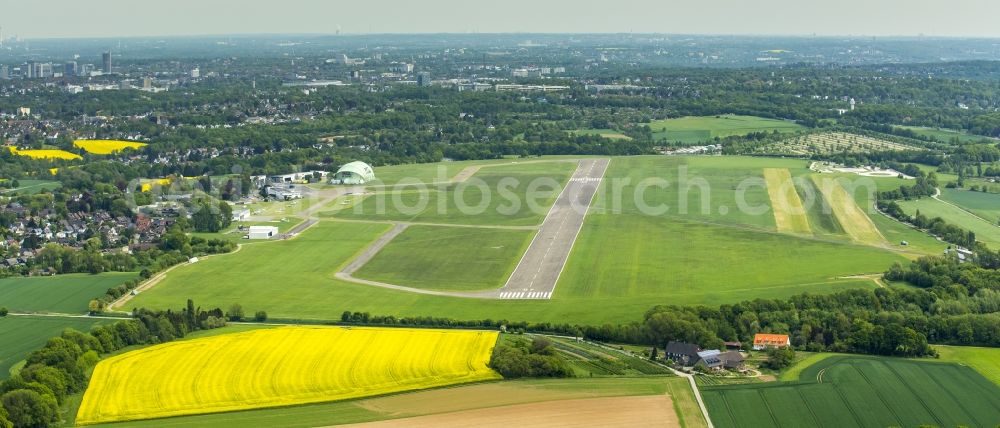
{"x":625,"y":259}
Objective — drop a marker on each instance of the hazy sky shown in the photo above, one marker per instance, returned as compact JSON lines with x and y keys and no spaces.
{"x":78,"y":18}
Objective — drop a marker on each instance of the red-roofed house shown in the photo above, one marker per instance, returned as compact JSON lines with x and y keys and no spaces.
{"x":765,"y":340}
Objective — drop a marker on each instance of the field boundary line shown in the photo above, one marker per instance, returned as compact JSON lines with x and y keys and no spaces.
{"x":950,"y":395}
{"x":729,"y":407}
{"x":850,"y":408}
{"x":919,"y":397}
{"x":770,"y":412}
{"x":812,"y":413}
{"x":877,"y":394}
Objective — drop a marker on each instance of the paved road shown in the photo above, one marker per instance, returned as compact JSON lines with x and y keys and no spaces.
{"x":538,"y":271}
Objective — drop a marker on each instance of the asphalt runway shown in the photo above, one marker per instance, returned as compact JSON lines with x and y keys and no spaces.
{"x":538,"y":271}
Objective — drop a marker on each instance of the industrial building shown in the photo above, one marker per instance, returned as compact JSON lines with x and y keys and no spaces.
{"x":262,"y":232}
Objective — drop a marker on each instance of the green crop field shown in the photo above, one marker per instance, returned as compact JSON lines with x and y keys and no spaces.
{"x":449,"y":258}
{"x":986,"y":232}
{"x":20,"y":335}
{"x":696,"y":129}
{"x":61,"y":293}
{"x":480,"y":200}
{"x":985,"y":205}
{"x":846,"y":391}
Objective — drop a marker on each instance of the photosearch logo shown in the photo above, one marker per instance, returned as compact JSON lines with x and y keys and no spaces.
{"x":678,"y":194}
{"x":480,"y":191}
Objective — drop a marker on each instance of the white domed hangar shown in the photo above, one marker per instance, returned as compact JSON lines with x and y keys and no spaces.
{"x":356,"y":172}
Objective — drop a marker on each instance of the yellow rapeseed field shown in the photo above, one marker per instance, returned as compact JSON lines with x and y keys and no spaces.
{"x":46,"y":154}
{"x":107,"y":147}
{"x":280,"y":367}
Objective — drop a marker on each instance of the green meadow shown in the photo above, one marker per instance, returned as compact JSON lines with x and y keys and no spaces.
{"x":449,"y":258}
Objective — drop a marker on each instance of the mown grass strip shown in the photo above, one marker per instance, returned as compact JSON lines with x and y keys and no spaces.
{"x":789,"y":214}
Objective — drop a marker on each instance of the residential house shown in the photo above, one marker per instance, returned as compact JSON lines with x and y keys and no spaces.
{"x":685,"y":354}
{"x":732,"y":360}
{"x":765,"y":340}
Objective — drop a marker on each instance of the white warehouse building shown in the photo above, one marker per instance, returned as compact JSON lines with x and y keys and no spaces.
{"x":262,"y":232}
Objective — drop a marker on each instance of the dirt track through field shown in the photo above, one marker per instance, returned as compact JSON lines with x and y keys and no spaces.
{"x":789,"y":215}
{"x":851,"y":217}
{"x":640,"y":411}
{"x":373,"y":249}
